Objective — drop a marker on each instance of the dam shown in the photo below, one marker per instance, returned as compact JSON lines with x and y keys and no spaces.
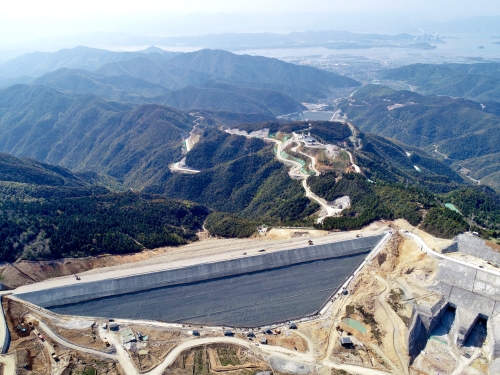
{"x":250,"y":291}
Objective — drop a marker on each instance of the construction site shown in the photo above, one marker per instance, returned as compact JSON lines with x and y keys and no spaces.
{"x":389,"y":299}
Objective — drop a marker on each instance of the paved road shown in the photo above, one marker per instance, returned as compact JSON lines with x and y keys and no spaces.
{"x":4,"y":331}
{"x":9,"y":364}
{"x":427,"y":249}
{"x":182,"y":167}
{"x":356,"y":168}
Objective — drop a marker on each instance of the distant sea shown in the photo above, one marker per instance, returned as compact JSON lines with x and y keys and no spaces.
{"x":457,"y":48}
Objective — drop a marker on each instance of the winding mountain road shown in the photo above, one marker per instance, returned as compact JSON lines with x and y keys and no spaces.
{"x":182,"y":167}
{"x":356,"y":168}
{"x":297,"y":173}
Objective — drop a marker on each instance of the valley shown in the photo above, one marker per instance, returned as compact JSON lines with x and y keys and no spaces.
{"x":192,"y":213}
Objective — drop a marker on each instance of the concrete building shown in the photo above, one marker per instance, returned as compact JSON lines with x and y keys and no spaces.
{"x":346,"y":342}
{"x":127,"y":335}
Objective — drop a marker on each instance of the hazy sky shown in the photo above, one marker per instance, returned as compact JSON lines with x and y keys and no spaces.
{"x":23,"y":20}
{"x":57,"y":9}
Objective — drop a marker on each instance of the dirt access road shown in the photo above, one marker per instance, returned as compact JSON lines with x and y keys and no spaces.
{"x":128,"y":367}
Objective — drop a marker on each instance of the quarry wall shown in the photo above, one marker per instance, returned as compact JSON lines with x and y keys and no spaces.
{"x":92,"y":290}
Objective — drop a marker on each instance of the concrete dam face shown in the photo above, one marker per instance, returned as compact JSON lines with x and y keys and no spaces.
{"x":252,"y":291}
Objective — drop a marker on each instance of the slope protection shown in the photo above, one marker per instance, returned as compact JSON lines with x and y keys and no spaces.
{"x":248,"y":291}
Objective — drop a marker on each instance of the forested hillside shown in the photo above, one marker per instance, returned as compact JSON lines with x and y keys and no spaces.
{"x":230,"y":119}
{"x":28,"y":180}
{"x":480,"y":81}
{"x":209,"y":95}
{"x":115,"y":224}
{"x":87,"y":133}
{"x":47,"y":212}
{"x":119,"y":88}
{"x":459,"y":131}
{"x":388,"y":161}
{"x":224,"y":97}
{"x":196,"y":68}
{"x":242,"y":177}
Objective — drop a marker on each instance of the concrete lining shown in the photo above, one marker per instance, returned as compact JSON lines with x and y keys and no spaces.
{"x":472,"y":301}
{"x":244,"y":300}
{"x":456,"y":274}
{"x":199,"y":272}
{"x":465,"y":323}
{"x":488,"y":285}
{"x":473,"y":246}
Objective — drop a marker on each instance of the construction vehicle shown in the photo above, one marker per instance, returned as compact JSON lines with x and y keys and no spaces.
{"x":310,"y":242}
{"x":21,"y":328}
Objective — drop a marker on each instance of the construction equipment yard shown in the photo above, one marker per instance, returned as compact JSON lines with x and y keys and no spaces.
{"x":365,"y":327}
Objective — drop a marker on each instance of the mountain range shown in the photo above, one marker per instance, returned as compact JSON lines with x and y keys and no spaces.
{"x":460,"y":132}
{"x":479,"y":81}
{"x":38,"y":63}
{"x":79,"y":136}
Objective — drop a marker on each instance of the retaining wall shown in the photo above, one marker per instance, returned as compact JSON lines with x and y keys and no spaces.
{"x":424,"y":318}
{"x":473,"y":246}
{"x":103,"y":288}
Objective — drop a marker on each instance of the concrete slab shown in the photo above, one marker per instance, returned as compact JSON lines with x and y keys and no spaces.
{"x":245,"y":300}
{"x":441,"y":288}
{"x":494,"y":336}
{"x":84,"y":290}
{"x":471,"y":301}
{"x":456,"y":274}
{"x":465,"y":320}
{"x":487,"y":285}
{"x":476,"y":246}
